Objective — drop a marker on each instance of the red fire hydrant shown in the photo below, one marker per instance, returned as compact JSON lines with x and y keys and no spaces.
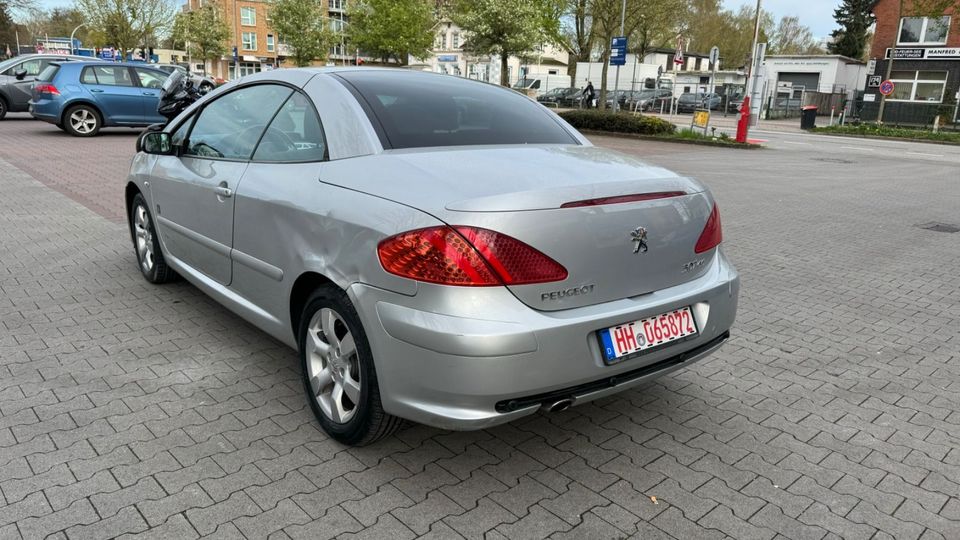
{"x":743,"y":122}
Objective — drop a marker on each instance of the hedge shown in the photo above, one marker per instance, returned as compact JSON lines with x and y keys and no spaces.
{"x":596,"y":120}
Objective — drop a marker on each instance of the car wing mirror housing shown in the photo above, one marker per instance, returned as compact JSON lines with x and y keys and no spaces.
{"x":20,"y":74}
{"x":156,"y":142}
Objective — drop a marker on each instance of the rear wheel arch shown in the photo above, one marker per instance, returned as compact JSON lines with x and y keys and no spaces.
{"x":303,"y":287}
{"x":67,"y":106}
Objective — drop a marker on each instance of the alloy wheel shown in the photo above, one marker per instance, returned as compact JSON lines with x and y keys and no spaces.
{"x":83,"y":121}
{"x":144,"y":238}
{"x":333,"y":366}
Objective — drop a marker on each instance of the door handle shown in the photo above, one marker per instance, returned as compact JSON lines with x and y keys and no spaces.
{"x":223,"y":191}
{"x":96,"y":91}
{"x":149,"y":94}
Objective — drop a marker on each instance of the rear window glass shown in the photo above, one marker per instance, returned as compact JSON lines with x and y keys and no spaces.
{"x":418,"y":110}
{"x":48,"y":73}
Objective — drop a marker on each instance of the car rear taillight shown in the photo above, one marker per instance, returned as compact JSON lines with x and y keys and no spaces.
{"x":712,"y":233}
{"x":46,"y":88}
{"x":466,"y":256}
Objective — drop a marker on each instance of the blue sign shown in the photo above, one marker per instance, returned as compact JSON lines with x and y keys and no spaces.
{"x":235,"y":56}
{"x":106,"y":53}
{"x":447,"y":58}
{"x":618,"y":51}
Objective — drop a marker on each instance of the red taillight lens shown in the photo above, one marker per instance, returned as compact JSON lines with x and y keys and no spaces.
{"x":467,"y":256}
{"x":712,"y":233}
{"x":46,"y":88}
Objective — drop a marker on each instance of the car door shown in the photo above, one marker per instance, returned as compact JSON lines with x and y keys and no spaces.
{"x":20,"y":90}
{"x":272,"y":202}
{"x":150,"y":80}
{"x":193,"y":190}
{"x":116,"y":94}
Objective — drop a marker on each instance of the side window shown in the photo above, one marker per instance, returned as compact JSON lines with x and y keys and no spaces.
{"x":149,"y":78}
{"x":88,"y":76}
{"x":32,"y":67}
{"x":294,"y":135}
{"x":180,"y":135}
{"x":108,"y":76}
{"x":230,"y":126}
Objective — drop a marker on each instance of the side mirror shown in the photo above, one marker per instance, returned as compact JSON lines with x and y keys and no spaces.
{"x":20,"y":74}
{"x":155,"y":142}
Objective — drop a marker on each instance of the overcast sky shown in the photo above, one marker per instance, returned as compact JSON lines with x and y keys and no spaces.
{"x":816,"y":14}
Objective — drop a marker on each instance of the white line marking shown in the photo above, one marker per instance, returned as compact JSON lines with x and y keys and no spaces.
{"x":859,"y":148}
{"x":795,"y":142}
{"x":922,"y":154}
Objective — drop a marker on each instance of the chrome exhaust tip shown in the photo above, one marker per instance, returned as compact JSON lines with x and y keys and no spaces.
{"x":559,"y":405}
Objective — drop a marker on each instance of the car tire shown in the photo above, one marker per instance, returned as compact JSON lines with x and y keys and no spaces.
{"x":146,"y":244}
{"x":82,"y":121}
{"x":3,"y":108}
{"x":339,"y":376}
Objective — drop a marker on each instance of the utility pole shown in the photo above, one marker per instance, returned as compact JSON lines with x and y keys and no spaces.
{"x":616,"y":83}
{"x":73,"y":34}
{"x":751,"y":83}
{"x":893,"y":54}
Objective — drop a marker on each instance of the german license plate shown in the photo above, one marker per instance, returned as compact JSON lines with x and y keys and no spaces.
{"x":637,"y":336}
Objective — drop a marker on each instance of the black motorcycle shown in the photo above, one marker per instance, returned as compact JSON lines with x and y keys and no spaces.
{"x":176,"y":94}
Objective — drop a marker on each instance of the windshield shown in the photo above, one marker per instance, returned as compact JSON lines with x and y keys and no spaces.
{"x":418,"y":110}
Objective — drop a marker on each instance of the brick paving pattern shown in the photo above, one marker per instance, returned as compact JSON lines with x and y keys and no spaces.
{"x":129,"y":410}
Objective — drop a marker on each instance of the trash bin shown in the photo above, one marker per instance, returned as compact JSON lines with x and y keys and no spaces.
{"x":808,"y":117}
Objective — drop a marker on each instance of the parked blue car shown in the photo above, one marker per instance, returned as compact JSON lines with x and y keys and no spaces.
{"x":83,"y":97}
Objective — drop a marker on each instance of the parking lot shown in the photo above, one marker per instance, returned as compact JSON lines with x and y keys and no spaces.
{"x":833,"y":412}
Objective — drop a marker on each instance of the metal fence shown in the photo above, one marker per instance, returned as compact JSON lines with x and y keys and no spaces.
{"x":909,"y":113}
{"x":780,"y":106}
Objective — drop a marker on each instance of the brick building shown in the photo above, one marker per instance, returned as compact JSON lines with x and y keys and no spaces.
{"x":259,"y":48}
{"x":926,"y":64}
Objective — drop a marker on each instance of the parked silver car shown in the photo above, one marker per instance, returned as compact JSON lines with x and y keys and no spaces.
{"x":17,"y":75}
{"x":437,"y":249}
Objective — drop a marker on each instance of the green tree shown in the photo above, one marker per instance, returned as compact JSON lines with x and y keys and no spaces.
{"x":576,"y":34}
{"x":855,"y":18}
{"x":791,"y":37}
{"x":128,"y":23}
{"x":392,"y":29}
{"x":505,"y":27}
{"x":304,"y":26}
{"x":203,"y":32}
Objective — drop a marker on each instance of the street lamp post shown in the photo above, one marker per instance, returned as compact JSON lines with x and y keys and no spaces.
{"x":81,"y":25}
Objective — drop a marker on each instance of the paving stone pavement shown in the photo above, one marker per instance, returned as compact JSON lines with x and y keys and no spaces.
{"x":129,"y":410}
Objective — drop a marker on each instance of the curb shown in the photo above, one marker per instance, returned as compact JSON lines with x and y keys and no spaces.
{"x":882,"y":138}
{"x":639,"y":136}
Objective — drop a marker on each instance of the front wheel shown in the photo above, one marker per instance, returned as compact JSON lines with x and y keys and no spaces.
{"x":82,"y":121}
{"x":146,"y":244}
{"x":338,"y":372}
{"x":3,"y":108}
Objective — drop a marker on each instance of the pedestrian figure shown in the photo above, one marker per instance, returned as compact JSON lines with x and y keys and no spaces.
{"x":589,"y":94}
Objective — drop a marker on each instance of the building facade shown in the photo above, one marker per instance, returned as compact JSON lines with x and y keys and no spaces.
{"x":258,"y":46}
{"x":451,"y":55}
{"x":926,"y":64}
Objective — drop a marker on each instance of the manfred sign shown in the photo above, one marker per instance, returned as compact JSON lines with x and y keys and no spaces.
{"x":925,"y":53}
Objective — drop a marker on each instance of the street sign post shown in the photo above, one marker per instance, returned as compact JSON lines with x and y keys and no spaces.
{"x":887,"y":87}
{"x":714,"y":59}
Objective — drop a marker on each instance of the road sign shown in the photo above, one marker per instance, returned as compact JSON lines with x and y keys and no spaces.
{"x":618,"y":51}
{"x":714,"y":57}
{"x":874,"y":81}
{"x":872,"y":66}
{"x":886,"y":88}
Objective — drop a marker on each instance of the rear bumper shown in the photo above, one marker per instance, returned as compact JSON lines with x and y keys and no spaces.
{"x":48,"y":110}
{"x":470,"y":359}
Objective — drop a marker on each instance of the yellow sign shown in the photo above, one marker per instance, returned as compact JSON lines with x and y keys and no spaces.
{"x":701,"y":119}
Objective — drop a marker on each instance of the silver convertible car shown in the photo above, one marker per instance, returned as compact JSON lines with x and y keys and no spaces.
{"x":437,"y":249}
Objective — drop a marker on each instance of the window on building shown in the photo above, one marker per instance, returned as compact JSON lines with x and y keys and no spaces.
{"x":925,"y":86}
{"x":456,"y":40}
{"x":249,"y":41}
{"x":337,"y":4}
{"x":699,"y":64}
{"x":271,"y":44}
{"x":336,"y":24}
{"x":441,"y":40}
{"x":248,"y":16}
{"x":924,"y":30}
